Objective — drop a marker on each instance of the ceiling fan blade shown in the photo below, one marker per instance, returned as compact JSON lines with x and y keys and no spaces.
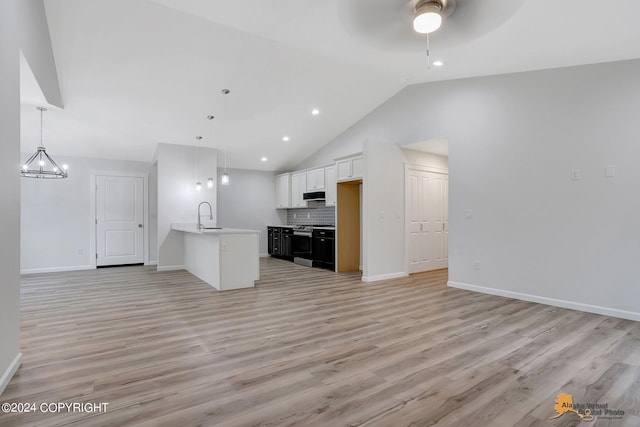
{"x":384,"y":24}
{"x":472,"y":19}
{"x":387,"y":24}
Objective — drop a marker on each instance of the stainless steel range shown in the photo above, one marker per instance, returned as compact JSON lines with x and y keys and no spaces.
{"x":302,"y":239}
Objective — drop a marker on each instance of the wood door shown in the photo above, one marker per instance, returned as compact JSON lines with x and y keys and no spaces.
{"x":119,"y":220}
{"x":348,"y":213}
{"x":427,"y":221}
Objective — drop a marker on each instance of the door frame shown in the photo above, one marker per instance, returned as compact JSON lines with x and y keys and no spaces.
{"x":93,"y":218}
{"x":421,"y":168}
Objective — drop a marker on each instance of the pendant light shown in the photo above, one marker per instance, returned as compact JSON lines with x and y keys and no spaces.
{"x":210,"y":180}
{"x":40,"y":164}
{"x":225,"y":176}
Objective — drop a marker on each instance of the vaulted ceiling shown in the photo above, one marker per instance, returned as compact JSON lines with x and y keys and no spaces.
{"x":137,"y":72}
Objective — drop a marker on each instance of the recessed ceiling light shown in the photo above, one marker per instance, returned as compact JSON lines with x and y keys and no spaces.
{"x":285,"y":138}
{"x":315,"y":111}
{"x":438,"y":63}
{"x":264,"y":159}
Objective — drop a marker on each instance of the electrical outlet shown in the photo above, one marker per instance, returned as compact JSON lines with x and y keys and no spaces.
{"x":575,"y":174}
{"x":468,"y":214}
{"x":476,"y":265}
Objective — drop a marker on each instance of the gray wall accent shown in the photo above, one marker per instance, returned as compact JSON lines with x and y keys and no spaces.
{"x":23,"y":26}
{"x":179,"y":167}
{"x":513,"y":141}
{"x":58,"y":213}
{"x":249,"y":202}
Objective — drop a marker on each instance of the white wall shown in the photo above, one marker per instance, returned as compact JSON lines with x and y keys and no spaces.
{"x":56,"y":215}
{"x":513,"y":141}
{"x":248,"y":202}
{"x":153,"y":214}
{"x":179,"y":167}
{"x":383,"y":212}
{"x":416,"y":157}
{"x":22,"y":26}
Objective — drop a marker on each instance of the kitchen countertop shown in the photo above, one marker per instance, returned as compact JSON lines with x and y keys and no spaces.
{"x":192,"y":228}
{"x":315,"y":228}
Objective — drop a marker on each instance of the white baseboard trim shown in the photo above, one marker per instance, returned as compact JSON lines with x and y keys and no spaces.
{"x":10,"y":372}
{"x":57,"y":269}
{"x":384,"y":277}
{"x":152,"y":263}
{"x":264,"y":255}
{"x":170,"y":267}
{"x":605,"y":311}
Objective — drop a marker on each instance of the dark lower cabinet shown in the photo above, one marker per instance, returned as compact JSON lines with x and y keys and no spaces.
{"x":279,"y":241}
{"x":275,"y":237}
{"x":324,"y":249}
{"x":286,"y":245}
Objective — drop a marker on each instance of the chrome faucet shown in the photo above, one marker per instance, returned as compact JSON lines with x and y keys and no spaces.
{"x":210,"y":214}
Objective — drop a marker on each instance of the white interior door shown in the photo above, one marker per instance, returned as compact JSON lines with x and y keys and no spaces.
{"x":428,"y":223}
{"x":119,"y":220}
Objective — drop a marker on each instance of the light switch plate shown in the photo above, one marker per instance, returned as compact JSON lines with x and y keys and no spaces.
{"x":610,"y":171}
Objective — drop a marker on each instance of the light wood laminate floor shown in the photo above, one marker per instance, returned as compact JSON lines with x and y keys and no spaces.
{"x":309,"y":347}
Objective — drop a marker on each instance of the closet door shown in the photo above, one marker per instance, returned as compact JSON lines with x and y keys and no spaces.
{"x":428,"y":221}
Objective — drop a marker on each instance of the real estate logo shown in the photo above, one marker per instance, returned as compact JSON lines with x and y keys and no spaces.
{"x":586,"y":411}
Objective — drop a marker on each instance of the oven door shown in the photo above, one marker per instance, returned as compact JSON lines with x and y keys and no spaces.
{"x":302,"y":247}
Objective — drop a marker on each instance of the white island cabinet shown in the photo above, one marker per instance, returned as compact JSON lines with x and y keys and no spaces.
{"x":225,"y":258}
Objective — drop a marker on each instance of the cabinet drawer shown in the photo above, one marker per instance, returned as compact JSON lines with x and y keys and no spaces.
{"x":329,"y":234}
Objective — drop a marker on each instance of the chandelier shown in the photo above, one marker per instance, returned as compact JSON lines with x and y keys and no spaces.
{"x":40,"y":164}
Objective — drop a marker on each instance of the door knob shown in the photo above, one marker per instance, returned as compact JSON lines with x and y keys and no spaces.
{"x":139,"y":225}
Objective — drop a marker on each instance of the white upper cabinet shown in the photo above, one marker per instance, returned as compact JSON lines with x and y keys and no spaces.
{"x":315,"y":179}
{"x":349,"y":169}
{"x":283,"y":191}
{"x":330,"y":186}
{"x":298,"y":188}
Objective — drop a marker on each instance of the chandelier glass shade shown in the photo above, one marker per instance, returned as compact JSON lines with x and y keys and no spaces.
{"x":225,"y":176}
{"x":40,"y":164}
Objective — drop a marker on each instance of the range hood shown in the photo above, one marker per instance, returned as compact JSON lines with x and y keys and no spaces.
{"x":314,"y":195}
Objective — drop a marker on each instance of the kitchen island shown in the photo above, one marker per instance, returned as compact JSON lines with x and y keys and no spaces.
{"x":225,"y":258}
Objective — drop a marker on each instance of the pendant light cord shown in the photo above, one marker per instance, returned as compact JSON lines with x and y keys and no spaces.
{"x":41,"y":126}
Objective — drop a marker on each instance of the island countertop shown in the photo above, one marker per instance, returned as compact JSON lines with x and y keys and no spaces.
{"x":192,"y":228}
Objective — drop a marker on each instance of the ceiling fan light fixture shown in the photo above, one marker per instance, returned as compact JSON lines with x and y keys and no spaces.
{"x":428,"y":16}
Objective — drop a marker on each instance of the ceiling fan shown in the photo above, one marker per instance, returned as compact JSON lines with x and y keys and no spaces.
{"x":400,"y":25}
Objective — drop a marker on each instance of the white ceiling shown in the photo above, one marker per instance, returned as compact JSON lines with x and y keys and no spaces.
{"x":137,"y":72}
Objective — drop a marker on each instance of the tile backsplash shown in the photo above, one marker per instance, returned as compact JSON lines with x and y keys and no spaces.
{"x":319,"y":215}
